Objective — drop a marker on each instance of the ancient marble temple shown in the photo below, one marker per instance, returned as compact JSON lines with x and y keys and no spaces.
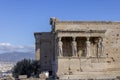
{"x":80,"y":49}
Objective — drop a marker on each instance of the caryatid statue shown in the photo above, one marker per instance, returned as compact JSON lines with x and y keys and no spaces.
{"x":88,"y":47}
{"x":60,"y":50}
{"x":100,"y":47}
{"x":74,"y":47}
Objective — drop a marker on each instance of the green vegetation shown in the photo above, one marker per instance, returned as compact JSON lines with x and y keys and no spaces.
{"x":26,"y":67}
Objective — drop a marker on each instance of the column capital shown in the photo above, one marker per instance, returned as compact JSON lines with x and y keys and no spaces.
{"x":59,"y":38}
{"x":100,"y":39}
{"x":88,"y":38}
{"x":74,"y":38}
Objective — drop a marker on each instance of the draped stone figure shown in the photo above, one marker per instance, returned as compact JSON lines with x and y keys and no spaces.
{"x":103,"y":46}
{"x":99,"y":45}
{"x":74,"y":48}
{"x":88,"y":47}
{"x":60,"y":50}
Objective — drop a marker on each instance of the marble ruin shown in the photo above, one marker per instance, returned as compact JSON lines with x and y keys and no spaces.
{"x":80,"y":49}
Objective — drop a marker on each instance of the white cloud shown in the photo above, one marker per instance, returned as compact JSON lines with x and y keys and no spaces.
{"x":7,"y":47}
{"x":5,"y":44}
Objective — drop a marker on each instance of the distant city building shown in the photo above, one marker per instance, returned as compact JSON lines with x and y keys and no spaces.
{"x":77,"y":49}
{"x":6,"y":66}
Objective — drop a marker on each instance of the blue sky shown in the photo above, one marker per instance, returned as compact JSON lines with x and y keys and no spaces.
{"x":19,"y":19}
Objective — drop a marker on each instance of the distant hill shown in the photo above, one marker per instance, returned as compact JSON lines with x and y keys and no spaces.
{"x":16,"y":56}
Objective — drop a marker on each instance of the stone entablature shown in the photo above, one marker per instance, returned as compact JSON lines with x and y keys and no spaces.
{"x":84,"y":25}
{"x":90,"y":33}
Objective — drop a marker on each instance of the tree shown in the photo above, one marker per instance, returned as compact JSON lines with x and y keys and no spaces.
{"x":26,"y":67}
{"x":36,"y":67}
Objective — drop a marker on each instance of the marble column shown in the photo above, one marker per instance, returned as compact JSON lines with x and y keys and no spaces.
{"x":103,"y":47}
{"x":74,"y":47}
{"x":60,"y":50}
{"x":100,"y":47}
{"x":88,"y":47}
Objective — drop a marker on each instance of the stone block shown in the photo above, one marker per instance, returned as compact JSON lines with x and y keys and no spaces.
{"x":22,"y":76}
